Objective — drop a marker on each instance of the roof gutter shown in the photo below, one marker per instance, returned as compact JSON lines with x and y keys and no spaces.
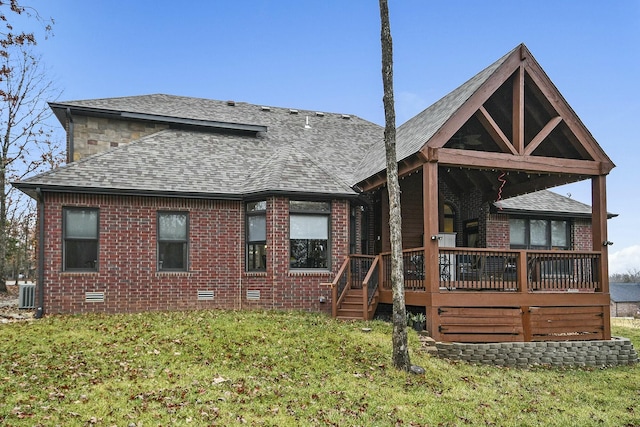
{"x":544,"y":214}
{"x":40,"y":309}
{"x":29,"y":189}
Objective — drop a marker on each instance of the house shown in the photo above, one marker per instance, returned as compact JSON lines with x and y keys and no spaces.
{"x":625,"y":299}
{"x":172,"y":203}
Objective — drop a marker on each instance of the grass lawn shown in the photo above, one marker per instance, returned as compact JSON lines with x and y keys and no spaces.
{"x":279,"y":369}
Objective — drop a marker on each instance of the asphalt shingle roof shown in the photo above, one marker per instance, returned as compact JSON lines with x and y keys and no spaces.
{"x":291,"y":156}
{"x":412,"y":135}
{"x":544,"y":201}
{"x":624,"y":292}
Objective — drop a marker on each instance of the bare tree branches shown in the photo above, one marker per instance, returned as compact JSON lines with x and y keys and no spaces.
{"x":26,"y":145}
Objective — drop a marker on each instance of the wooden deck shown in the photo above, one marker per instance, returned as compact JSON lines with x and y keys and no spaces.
{"x":484,"y":295}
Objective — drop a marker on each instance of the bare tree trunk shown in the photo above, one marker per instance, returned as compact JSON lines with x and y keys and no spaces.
{"x":400,"y":348}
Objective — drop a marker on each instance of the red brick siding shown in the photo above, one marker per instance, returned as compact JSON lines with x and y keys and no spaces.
{"x":127,"y":272}
{"x":497,"y":231}
{"x":581,"y":235}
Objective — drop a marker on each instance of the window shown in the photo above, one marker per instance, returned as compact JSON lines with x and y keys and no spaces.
{"x":449,"y":225}
{"x":256,"y":236}
{"x":309,"y":234}
{"x":173,"y":241}
{"x":538,"y":233}
{"x":80,"y":229}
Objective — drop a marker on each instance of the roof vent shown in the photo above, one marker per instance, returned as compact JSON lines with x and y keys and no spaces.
{"x":231,"y":103}
{"x":265,"y":108}
{"x":292,"y":111}
{"x":319,"y":114}
{"x":346,"y":116}
{"x":307,"y":125}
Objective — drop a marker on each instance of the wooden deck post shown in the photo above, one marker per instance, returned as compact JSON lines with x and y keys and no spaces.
{"x":601,"y":241}
{"x":431,"y":228}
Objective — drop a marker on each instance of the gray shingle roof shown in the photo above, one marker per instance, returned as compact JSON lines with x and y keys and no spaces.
{"x":625,"y":292}
{"x":544,"y":201}
{"x":412,"y":135}
{"x":289,"y":157}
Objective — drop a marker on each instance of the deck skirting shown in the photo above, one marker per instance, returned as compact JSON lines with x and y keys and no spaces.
{"x":599,"y":353}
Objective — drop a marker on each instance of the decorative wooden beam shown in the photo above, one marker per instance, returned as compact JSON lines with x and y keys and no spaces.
{"x":479,"y":97}
{"x":503,"y":161}
{"x":405,"y":167}
{"x":576,"y":126}
{"x":546,"y":130}
{"x":518,"y":109}
{"x":494,"y":131}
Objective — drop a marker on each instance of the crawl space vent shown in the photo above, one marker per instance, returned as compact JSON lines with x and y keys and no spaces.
{"x":253,"y":295}
{"x":205,"y":295}
{"x":94,"y":297}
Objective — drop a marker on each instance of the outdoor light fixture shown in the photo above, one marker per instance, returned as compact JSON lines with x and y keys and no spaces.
{"x":607,"y":243}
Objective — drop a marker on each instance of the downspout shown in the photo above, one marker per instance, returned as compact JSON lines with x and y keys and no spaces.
{"x":40,"y":199}
{"x":70,"y":131}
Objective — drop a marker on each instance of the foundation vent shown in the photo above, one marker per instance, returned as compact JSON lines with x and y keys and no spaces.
{"x":27,"y":295}
{"x":94,"y":296}
{"x":205,"y":295}
{"x":253,"y":295}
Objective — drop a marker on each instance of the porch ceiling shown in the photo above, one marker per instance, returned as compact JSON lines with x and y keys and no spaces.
{"x":498,"y":184}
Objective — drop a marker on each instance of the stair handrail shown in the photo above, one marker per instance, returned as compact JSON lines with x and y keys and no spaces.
{"x":337,"y":294}
{"x":369,"y":286}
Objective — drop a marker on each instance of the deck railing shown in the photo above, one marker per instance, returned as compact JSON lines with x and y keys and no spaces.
{"x":561,"y":270}
{"x":371,"y":282}
{"x":501,"y":270}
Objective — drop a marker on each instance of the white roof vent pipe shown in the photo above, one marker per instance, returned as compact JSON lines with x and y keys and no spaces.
{"x":307,"y":125}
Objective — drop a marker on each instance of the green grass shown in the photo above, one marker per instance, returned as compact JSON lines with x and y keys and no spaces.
{"x":278,"y":369}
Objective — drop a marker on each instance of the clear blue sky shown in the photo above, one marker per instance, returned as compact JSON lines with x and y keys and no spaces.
{"x":325,"y":55}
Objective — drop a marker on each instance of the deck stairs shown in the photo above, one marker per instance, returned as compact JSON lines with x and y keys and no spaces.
{"x":351,"y":307}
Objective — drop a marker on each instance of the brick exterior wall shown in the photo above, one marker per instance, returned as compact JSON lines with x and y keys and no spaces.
{"x":128,"y":275}
{"x":497,"y":231}
{"x":581,"y":235}
{"x":93,"y":135}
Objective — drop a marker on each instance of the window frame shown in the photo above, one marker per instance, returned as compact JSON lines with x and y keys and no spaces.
{"x":249,"y":265}
{"x":300,"y":211}
{"x":185,"y":242}
{"x":549,"y":236}
{"x":66,"y":240}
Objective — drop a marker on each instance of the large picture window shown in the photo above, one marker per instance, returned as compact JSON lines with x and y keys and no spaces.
{"x":80,"y":229}
{"x":256,"y":236}
{"x":173,"y":232}
{"x":309,"y":234}
{"x":526,"y":233}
